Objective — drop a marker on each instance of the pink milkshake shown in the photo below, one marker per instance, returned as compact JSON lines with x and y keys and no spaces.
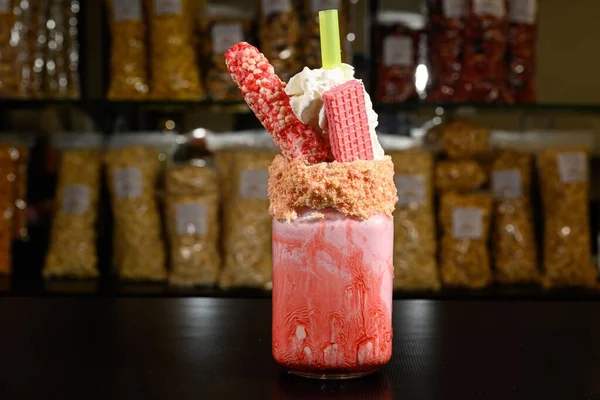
{"x":332,"y":293}
{"x":332,"y":269}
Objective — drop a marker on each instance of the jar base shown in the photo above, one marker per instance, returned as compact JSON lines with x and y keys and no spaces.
{"x":331,"y":376}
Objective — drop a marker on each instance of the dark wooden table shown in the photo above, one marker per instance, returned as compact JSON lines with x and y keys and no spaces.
{"x":208,"y":348}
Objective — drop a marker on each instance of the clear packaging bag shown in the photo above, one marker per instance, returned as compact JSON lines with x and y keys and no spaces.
{"x":173,"y":62}
{"x":192,"y":206}
{"x":30,"y":31}
{"x":57,"y":65}
{"x":523,"y":18}
{"x":9,"y":72}
{"x":246,"y":223}
{"x":483,"y":77}
{"x":18,"y":147}
{"x":459,"y":175}
{"x":514,"y":244}
{"x":465,"y":223}
{"x":133,"y":168}
{"x":221,"y":27}
{"x":7,"y":176}
{"x":446,"y":38}
{"x":129,"y":58}
{"x":415,"y":264}
{"x":72,"y":49}
{"x":72,"y":252}
{"x":463,"y":140}
{"x":564,"y":179}
{"x":398,"y":42}
{"x":280,"y":35}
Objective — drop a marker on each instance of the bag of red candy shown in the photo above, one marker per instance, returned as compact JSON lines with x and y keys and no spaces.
{"x":445,"y":35}
{"x":398,"y":39}
{"x":522,"y":16}
{"x":483,"y":78}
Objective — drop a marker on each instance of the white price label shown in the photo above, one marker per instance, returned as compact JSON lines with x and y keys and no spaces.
{"x":522,"y":11}
{"x":191,"y":219}
{"x":226,"y":35}
{"x":127,"y":10}
{"x":127,"y":182}
{"x":75,"y":199}
{"x":320,"y":5}
{"x":167,"y":7}
{"x":467,"y":223}
{"x":572,"y":167}
{"x":494,"y":8}
{"x":253,"y":183}
{"x":5,"y":6}
{"x":276,"y":6}
{"x":454,"y":9}
{"x":411,"y":189}
{"x":398,"y":51}
{"x":506,"y":184}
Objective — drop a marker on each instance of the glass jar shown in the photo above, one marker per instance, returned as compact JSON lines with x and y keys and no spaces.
{"x":332,"y":294}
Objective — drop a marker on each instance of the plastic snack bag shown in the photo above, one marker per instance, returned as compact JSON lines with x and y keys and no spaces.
{"x":483,"y":76}
{"x":221,"y":27}
{"x":57,"y":65}
{"x":446,"y":37}
{"x":246,"y":223}
{"x":133,"y":169}
{"x":415,"y":265}
{"x":280,"y":36}
{"x":522,"y":16}
{"x":398,"y":42}
{"x":514,"y":237}
{"x":459,"y":175}
{"x":192,"y":206}
{"x":7,"y":176}
{"x":465,"y":222}
{"x":174,"y":69}
{"x":564,"y":180}
{"x":128,"y":61}
{"x":72,"y":252}
{"x":463,"y":140}
{"x":9,"y":74}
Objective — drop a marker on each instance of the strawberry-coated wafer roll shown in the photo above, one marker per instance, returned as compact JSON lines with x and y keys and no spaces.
{"x":348,"y":122}
{"x":264,"y":93}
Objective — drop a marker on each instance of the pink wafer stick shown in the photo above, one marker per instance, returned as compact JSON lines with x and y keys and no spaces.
{"x":348,"y":122}
{"x":264,"y":92}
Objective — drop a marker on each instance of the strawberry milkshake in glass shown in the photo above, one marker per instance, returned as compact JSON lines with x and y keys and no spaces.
{"x":332,"y":267}
{"x":331,"y":195}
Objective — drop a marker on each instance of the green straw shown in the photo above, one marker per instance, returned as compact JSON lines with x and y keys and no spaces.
{"x":331,"y":54}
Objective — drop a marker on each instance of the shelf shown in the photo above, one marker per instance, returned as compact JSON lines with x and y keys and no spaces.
{"x":239,"y":106}
{"x":110,"y":287}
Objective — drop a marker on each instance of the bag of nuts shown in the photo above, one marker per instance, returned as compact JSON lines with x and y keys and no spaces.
{"x":18,"y":146}
{"x":415,"y":265}
{"x":221,"y":27}
{"x":133,"y":169}
{"x":483,"y":77}
{"x":72,"y":251}
{"x":465,"y":224}
{"x":247,"y":223}
{"x":192,"y":205}
{"x":459,"y":175}
{"x":175,"y":73}
{"x":128,"y":60}
{"x":279,"y":36}
{"x":514,"y":243}
{"x":463,"y":140}
{"x":7,"y":176}
{"x":522,"y":16}
{"x":564,"y":180}
{"x":9,"y":69}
